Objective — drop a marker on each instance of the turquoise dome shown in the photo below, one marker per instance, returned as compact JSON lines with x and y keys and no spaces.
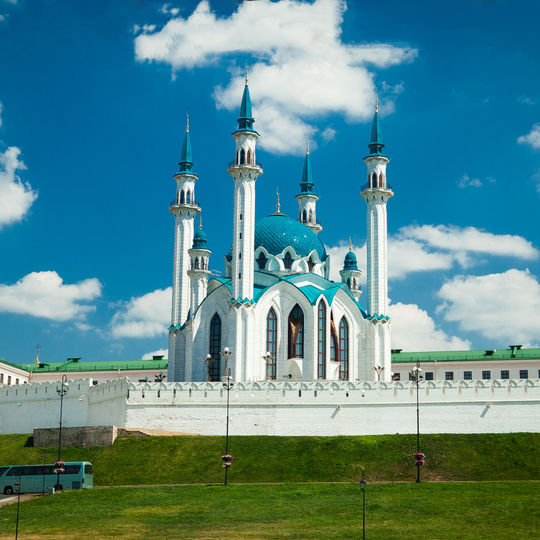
{"x":199,"y":240}
{"x":278,"y":231}
{"x":350,"y":262}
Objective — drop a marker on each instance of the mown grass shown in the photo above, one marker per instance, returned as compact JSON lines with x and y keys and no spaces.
{"x":433,"y":511}
{"x":196,"y":459}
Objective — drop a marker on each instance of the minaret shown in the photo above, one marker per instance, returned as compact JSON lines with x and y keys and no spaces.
{"x":245,"y":171}
{"x":376,"y":194}
{"x":350,"y":273}
{"x":307,"y":200}
{"x":184,"y":208}
{"x":198,"y":272}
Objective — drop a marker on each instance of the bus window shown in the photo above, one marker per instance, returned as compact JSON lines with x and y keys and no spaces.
{"x":3,"y":470}
{"x":88,"y":468}
{"x":15,"y":471}
{"x":72,"y":469}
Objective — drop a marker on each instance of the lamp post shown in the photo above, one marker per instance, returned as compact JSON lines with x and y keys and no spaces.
{"x":378,"y":370}
{"x":418,"y":456}
{"x":226,"y":381}
{"x":208,"y":360}
{"x":267,"y":357}
{"x":61,"y":391}
{"x":43,"y":475}
{"x":363,"y":486}
{"x":18,"y":486}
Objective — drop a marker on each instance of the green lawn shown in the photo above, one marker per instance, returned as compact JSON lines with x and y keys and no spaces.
{"x":187,"y":459}
{"x":490,"y":510}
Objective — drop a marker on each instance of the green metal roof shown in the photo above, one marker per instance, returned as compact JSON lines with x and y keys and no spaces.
{"x":78,"y":366}
{"x":465,"y":356}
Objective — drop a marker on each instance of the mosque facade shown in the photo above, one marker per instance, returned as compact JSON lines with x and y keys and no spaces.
{"x":276,"y":314}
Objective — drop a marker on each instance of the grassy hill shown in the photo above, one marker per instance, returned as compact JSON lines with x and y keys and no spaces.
{"x":196,"y":459}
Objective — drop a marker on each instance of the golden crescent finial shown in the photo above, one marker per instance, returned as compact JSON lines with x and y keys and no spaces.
{"x":187,"y":122}
{"x":277,"y":205}
{"x":350,"y":244}
{"x":246,"y":66}
{"x":376,"y":104}
{"x":200,"y":221}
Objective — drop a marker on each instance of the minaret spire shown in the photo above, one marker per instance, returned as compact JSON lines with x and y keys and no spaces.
{"x":376,"y":193}
{"x":307,"y":200}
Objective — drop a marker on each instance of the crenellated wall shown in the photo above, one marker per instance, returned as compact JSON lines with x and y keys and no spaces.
{"x":280,"y":408}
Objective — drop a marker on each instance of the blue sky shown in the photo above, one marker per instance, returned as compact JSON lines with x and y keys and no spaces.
{"x":93,"y":103}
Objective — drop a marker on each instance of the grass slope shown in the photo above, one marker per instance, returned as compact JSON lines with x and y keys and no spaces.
{"x":195,"y":459}
{"x":437,"y":511}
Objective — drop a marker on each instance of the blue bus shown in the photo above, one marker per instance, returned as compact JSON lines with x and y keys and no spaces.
{"x":39,"y":478}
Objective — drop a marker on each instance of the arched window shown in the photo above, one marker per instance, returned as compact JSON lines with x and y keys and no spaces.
{"x":215,"y":347}
{"x":249,"y":157}
{"x":182,"y":197}
{"x":349,"y":282}
{"x":311,"y":216}
{"x":334,"y":346}
{"x":261,"y":261}
{"x":271,"y":343}
{"x":343,"y":350}
{"x":196,"y":265}
{"x":380,"y":180}
{"x":287,"y":261}
{"x":321,"y":340}
{"x":188,"y":197}
{"x":242,"y":156}
{"x":296,"y":333}
{"x":304,"y":216}
{"x":311,"y":264}
{"x":374,"y":180}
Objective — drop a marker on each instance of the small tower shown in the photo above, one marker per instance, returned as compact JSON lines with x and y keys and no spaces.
{"x":307,"y":200}
{"x":184,"y":209}
{"x":351,"y":275}
{"x":245,"y":170}
{"x":376,"y":193}
{"x":199,"y":258}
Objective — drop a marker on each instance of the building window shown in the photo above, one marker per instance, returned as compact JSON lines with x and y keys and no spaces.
{"x":396,"y":377}
{"x":9,"y":379}
{"x":304,"y":216}
{"x":505,"y":374}
{"x":449,"y":376}
{"x":271,"y":343}
{"x":261,"y":261}
{"x":486,"y":375}
{"x":429,"y":375}
{"x":249,"y":157}
{"x":296,"y":333}
{"x":1,"y":378}
{"x":321,"y":340}
{"x":343,"y":350}
{"x":215,"y":347}
{"x":333,"y":340}
{"x":242,"y":156}
{"x":467,"y":375}
{"x":287,"y":261}
{"x":17,"y":380}
{"x":523,"y":373}
{"x":374,"y":180}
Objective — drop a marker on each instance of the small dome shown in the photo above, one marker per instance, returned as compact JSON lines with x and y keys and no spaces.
{"x":350,"y":262}
{"x":278,"y":231}
{"x":199,"y":240}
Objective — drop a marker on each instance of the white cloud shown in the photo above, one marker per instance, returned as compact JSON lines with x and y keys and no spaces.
{"x":328,"y":134}
{"x":470,"y":239}
{"x":144,"y":316}
{"x":166,"y":9}
{"x":532,"y":138}
{"x":43,"y":294}
{"x":414,"y":330}
{"x":16,"y":197}
{"x":159,"y":352}
{"x":503,"y":306}
{"x":526,"y":100}
{"x":302,"y":69}
{"x":467,"y":181}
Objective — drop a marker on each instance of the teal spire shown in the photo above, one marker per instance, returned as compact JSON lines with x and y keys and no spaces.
{"x":306,"y":186}
{"x":376,"y":144}
{"x":186,"y":163}
{"x":199,"y":238}
{"x":245,"y":120}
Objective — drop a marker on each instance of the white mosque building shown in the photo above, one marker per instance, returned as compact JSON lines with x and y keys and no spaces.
{"x":276,"y":311}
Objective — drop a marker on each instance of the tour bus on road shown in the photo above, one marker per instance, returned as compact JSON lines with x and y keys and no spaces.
{"x":39,"y":478}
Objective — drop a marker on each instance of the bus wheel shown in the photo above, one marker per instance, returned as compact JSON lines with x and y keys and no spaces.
{"x":58,"y":487}
{"x":8,"y":490}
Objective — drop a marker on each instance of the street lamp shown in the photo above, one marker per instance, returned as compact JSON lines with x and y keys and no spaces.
{"x":43,"y":475}
{"x":226,"y":381}
{"x":378,"y":370}
{"x":363,"y":486}
{"x":59,"y":465}
{"x":418,"y":456}
{"x":208,"y":360}
{"x":267,"y":357}
{"x":18,"y":486}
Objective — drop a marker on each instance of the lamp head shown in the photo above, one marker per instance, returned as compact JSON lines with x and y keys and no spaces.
{"x":226,"y":350}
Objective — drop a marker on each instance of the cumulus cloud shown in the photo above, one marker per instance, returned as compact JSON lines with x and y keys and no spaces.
{"x":532,"y":138}
{"x":467,"y":181}
{"x":144,"y":316}
{"x":16,"y":197}
{"x":303,"y":70}
{"x":44,"y":294}
{"x":166,"y":9}
{"x":159,"y":352}
{"x":504,"y":306}
{"x":414,"y":330}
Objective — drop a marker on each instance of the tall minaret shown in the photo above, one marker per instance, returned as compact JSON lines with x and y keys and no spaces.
{"x":184,"y":208}
{"x":245,"y":171}
{"x":199,"y":272}
{"x":307,"y":200}
{"x":376,"y":194}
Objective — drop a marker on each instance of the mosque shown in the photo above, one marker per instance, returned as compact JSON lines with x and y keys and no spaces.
{"x":276,"y":315}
